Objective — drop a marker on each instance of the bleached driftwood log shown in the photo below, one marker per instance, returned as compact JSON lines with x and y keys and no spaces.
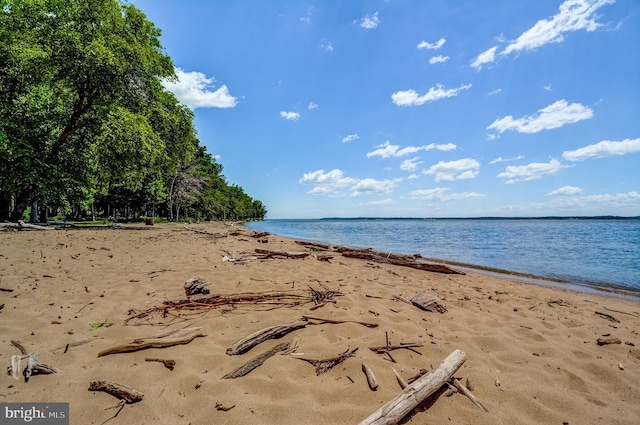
{"x":256,"y":361}
{"x":21,"y":225}
{"x":417,"y":392}
{"x":176,"y":337}
{"x":371,"y":377}
{"x":428,"y":303}
{"x":271,"y":332}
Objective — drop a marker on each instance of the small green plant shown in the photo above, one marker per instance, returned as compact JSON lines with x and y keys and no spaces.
{"x":26,"y":215}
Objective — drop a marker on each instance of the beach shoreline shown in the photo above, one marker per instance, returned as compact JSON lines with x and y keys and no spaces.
{"x":532,"y":352}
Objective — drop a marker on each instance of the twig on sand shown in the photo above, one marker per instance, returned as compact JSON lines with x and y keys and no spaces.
{"x":325,"y":365}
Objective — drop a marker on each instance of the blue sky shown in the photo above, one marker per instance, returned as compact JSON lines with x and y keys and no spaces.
{"x":415,"y":108}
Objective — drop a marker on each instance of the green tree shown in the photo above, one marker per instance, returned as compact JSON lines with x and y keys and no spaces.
{"x":69,"y":68}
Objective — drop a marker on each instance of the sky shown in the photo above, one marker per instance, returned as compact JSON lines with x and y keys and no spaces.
{"x":399,"y":108}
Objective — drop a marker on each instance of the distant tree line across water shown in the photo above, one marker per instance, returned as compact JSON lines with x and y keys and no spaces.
{"x":86,"y":127}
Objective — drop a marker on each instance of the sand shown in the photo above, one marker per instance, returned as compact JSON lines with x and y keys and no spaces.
{"x":531,"y":350}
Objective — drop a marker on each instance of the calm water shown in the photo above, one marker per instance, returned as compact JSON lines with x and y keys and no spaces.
{"x":579,"y":251}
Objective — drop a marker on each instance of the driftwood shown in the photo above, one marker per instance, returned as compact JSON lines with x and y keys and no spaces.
{"x":128,"y":395}
{"x":21,"y":225}
{"x":417,"y":392}
{"x":271,"y":332}
{"x":428,"y":303}
{"x":401,"y":381}
{"x":196,"y":286}
{"x":256,"y":361}
{"x":33,"y":367}
{"x":176,"y":337}
{"x":412,"y":261}
{"x":371,"y":378}
{"x":388,"y":348}
{"x":267,"y":253}
{"x":608,"y":317}
{"x":266,"y":300}
{"x":606,"y":341}
{"x":325,"y":365}
{"x":337,"y":322}
{"x":169,"y":364}
{"x":467,"y":392}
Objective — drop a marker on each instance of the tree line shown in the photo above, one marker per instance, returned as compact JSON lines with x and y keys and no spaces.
{"x":86,"y":127}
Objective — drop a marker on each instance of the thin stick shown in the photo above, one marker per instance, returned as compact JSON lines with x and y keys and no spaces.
{"x":468,"y":393}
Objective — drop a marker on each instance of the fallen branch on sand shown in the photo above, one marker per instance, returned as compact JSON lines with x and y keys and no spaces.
{"x":325,"y":365}
{"x":128,"y":395}
{"x":33,"y":367}
{"x":414,"y":261}
{"x":269,"y":299}
{"x":387,"y":348}
{"x":21,"y":225}
{"x":267,"y":253}
{"x":169,"y":364}
{"x":417,"y":392}
{"x":463,"y":390}
{"x":256,"y":361}
{"x":272,"y":332}
{"x":175,"y":337}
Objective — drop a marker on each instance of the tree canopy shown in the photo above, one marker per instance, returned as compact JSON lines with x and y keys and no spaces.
{"x":85,"y":121}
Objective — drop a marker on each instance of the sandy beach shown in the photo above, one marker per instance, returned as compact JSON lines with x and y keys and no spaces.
{"x":532,"y":352}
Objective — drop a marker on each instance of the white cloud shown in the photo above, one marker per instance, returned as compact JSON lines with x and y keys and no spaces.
{"x":410,"y":164}
{"x":494,"y":92}
{"x":460,"y":169}
{"x":553,"y":116}
{"x":387,"y":150}
{"x":438,"y":44}
{"x":289,"y":115}
{"x":326,"y":45}
{"x":603,"y":149}
{"x":535,"y":170}
{"x":369,"y":185}
{"x":370,"y":22}
{"x":382,"y":202}
{"x":438,"y":59}
{"x":566,"y":190}
{"x":488,"y":56}
{"x":574,"y":15}
{"x":194,"y":90}
{"x":501,"y":159}
{"x":312,"y":105}
{"x":350,"y":138}
{"x":412,"y":98}
{"x":336,"y":184}
{"x":327,"y":183}
{"x":441,"y":194}
{"x":602,"y":204}
{"x":548,"y":87}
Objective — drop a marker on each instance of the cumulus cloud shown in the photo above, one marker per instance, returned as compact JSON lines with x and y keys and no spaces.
{"x":553,"y":116}
{"x":501,"y":159}
{"x":412,"y":98}
{"x":460,"y":169}
{"x":603,"y":149}
{"x":441,"y":194}
{"x":574,"y":15}
{"x":289,"y":115}
{"x":534,"y":171}
{"x":434,"y":46}
{"x":195,"y":90}
{"x":350,"y":138}
{"x":410,"y":164}
{"x":566,"y":190}
{"x":387,"y":150}
{"x":335,"y":183}
{"x":438,"y":59}
{"x":370,"y":22}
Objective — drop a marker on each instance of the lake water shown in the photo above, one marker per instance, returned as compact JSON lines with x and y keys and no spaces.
{"x":593,"y":253}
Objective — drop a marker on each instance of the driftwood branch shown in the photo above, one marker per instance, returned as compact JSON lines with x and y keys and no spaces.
{"x":468,"y":393}
{"x":176,"y":337}
{"x":267,"y":253}
{"x":256,"y":361}
{"x":371,"y":378}
{"x":325,"y":365}
{"x":418,"y":391}
{"x":21,"y":225}
{"x":127,"y":394}
{"x":33,"y":367}
{"x":169,"y":364}
{"x":337,"y":322}
{"x":271,"y":332}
